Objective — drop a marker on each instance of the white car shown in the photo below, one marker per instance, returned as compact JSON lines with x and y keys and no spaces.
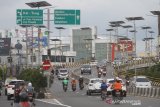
{"x":141,"y":82}
{"x":94,"y":86}
{"x":63,"y":73}
{"x":109,"y":84}
{"x":11,"y":86}
{"x":7,"y":81}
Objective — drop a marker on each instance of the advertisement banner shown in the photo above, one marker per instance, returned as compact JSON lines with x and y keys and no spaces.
{"x":5,"y":45}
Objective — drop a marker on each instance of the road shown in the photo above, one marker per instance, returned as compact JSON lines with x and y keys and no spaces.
{"x":80,"y":99}
{"x":39,"y":103}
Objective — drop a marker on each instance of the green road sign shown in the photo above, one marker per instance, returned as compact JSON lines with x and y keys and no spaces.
{"x":29,"y":17}
{"x":67,"y":17}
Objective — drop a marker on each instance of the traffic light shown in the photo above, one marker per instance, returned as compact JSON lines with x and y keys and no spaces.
{"x":49,"y":52}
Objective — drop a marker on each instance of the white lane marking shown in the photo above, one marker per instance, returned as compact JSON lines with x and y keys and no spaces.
{"x":56,"y":102}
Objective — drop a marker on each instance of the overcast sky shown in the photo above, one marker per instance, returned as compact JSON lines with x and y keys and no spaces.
{"x":93,"y":13}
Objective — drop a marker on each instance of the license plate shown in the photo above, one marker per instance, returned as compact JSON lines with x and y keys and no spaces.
{"x":117,"y":92}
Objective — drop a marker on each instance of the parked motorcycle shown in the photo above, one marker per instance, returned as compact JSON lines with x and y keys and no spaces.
{"x":74,"y":87}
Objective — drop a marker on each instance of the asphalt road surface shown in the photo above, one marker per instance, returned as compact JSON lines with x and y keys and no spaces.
{"x":80,"y":99}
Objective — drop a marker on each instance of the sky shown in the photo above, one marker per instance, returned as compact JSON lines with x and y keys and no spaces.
{"x":93,"y":13}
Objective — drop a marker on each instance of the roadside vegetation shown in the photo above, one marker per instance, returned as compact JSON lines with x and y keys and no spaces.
{"x":36,"y":77}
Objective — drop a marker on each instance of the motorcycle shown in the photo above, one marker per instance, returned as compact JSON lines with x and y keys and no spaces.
{"x":73,"y":87}
{"x":99,"y":74}
{"x":104,"y":95}
{"x":127,"y":82}
{"x":30,"y":97}
{"x":117,"y":97}
{"x":81,"y":86}
{"x":104,"y":73}
{"x":16,"y":95}
{"x":65,"y":88}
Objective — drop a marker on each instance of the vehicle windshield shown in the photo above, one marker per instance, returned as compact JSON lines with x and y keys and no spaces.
{"x":86,"y":66}
{"x":95,"y":81}
{"x":16,"y":82}
{"x":63,"y":71}
{"x":142,"y":80}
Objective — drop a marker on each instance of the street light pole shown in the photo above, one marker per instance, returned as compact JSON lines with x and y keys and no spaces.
{"x":110,"y":45}
{"x":151,"y":32}
{"x":60,"y":29}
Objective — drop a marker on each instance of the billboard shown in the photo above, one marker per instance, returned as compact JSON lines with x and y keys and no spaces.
{"x":5,"y":44}
{"x":124,"y":45}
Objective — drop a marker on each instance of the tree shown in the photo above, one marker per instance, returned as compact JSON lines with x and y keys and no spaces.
{"x":36,"y":77}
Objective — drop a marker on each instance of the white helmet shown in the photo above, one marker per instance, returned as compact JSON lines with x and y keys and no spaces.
{"x":117,"y":78}
{"x":81,"y":76}
{"x":29,"y":84}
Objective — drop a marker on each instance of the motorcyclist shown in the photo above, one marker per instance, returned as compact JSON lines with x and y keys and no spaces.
{"x":104,"y":86}
{"x":117,"y":85}
{"x":127,"y":77}
{"x":80,"y":81}
{"x":65,"y":82}
{"x":73,"y":83}
{"x":30,"y":88}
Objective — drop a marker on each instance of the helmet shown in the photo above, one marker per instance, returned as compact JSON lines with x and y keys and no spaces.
{"x":117,"y":78}
{"x":73,"y":79}
{"x":65,"y":78}
{"x":103,"y":81}
{"x":81,"y":76}
{"x":29,"y":84}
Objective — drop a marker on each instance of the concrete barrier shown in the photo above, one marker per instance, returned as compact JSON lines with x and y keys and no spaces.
{"x":153,"y":92}
{"x":158,"y":93}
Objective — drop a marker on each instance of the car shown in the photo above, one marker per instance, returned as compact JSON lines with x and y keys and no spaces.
{"x":7,"y":81}
{"x":94,"y":86}
{"x":63,"y":73}
{"x":86,"y":68}
{"x":11,"y":88}
{"x":110,"y":83}
{"x":141,"y":82}
{"x":94,"y":63}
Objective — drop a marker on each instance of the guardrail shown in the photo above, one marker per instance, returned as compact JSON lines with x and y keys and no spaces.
{"x":144,"y":92}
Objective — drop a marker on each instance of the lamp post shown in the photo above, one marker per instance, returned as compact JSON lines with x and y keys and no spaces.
{"x":157,"y":13}
{"x":151,"y":32}
{"x":146,"y":40}
{"x":135,"y":70}
{"x":55,"y":48}
{"x":126,"y":47}
{"x":38,"y":5}
{"x":110,"y":44}
{"x":116,"y":24}
{"x":60,"y":29}
{"x":134,"y":19}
